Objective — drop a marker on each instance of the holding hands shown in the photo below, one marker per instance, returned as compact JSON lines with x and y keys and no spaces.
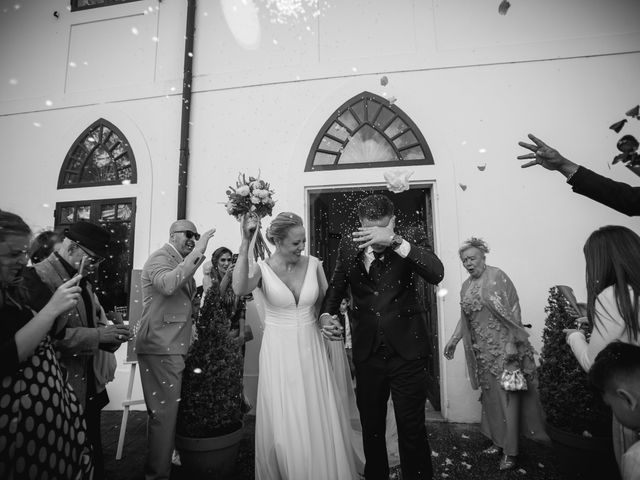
{"x":375,"y":235}
{"x":330,"y":327}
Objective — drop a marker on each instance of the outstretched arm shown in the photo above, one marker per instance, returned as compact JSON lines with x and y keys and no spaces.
{"x":546,"y":156}
{"x":242,"y":283}
{"x":617,"y":195}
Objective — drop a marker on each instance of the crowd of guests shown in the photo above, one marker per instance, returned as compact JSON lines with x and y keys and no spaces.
{"x":57,"y":345}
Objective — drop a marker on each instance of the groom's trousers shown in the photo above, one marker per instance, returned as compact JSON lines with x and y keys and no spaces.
{"x":380,"y":374}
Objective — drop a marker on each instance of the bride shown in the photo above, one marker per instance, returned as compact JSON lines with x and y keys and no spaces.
{"x":303,"y":428}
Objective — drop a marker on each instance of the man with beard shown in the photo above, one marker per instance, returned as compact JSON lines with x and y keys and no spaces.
{"x":168,"y":303}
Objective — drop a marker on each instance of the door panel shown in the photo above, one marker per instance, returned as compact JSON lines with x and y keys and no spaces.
{"x":332,"y":215}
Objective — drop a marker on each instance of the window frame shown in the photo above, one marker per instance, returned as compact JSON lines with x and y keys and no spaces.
{"x":94,"y":217}
{"x":68,"y":157}
{"x":348,"y":106}
{"x":106,"y":3}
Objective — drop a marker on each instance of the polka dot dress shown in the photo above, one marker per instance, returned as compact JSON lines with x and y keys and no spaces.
{"x":42,"y":430}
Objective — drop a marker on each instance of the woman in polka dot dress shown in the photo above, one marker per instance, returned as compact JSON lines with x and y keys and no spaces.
{"x":42,"y":429}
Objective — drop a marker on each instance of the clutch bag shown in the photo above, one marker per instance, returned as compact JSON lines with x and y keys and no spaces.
{"x":513,"y":380}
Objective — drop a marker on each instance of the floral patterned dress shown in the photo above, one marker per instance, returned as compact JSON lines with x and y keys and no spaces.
{"x":495,"y":340}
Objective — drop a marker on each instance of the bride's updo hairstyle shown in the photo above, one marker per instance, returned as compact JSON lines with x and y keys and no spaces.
{"x":478,"y":243}
{"x":281,"y":225}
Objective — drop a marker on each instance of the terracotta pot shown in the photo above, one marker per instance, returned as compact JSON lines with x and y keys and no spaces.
{"x":582,"y":457}
{"x":214,"y":456}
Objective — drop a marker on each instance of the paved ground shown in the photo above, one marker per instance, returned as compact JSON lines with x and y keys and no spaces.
{"x":456,"y":449}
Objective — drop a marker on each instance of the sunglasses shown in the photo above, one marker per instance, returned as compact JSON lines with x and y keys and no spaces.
{"x":93,"y":258}
{"x":189,"y":234}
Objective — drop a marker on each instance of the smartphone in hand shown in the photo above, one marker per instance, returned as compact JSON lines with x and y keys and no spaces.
{"x":83,"y":270}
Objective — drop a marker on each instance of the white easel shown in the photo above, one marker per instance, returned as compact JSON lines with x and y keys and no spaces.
{"x":134,"y":313}
{"x":126,"y":405}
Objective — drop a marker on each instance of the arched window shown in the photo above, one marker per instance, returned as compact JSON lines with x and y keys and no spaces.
{"x":368,"y":131}
{"x":100,"y":156}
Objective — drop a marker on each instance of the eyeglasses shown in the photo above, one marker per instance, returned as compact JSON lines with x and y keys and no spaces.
{"x":93,"y":258}
{"x":189,"y":234}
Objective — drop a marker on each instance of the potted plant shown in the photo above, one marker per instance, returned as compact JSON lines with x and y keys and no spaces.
{"x":578,"y":421}
{"x":210,"y":417}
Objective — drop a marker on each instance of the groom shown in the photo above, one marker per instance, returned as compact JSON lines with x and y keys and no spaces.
{"x":389,"y":334}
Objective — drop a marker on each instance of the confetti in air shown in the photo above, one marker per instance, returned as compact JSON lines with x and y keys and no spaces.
{"x":616,"y":127}
{"x":384,"y":80}
{"x":503,"y":8}
{"x":634,"y":112}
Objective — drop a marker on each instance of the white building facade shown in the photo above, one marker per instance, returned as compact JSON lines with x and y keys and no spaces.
{"x":271,"y":89}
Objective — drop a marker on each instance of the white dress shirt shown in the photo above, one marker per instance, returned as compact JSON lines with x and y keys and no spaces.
{"x":403,"y":250}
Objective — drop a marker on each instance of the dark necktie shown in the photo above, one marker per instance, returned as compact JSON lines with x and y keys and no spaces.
{"x":375,"y":269}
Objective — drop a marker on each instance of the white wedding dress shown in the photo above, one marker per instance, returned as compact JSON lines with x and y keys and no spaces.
{"x":303,"y":429}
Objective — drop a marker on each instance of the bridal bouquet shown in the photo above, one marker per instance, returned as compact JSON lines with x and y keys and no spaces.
{"x":252,"y":196}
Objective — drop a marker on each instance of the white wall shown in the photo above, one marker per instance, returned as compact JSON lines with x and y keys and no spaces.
{"x":469,"y":78}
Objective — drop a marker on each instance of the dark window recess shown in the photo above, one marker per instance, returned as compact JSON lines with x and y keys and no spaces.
{"x":112,"y":281}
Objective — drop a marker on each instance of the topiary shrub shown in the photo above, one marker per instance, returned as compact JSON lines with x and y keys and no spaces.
{"x":212,"y":399}
{"x":567,"y":398}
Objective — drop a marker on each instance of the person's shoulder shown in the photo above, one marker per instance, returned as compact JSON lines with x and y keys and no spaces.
{"x":608,"y":294}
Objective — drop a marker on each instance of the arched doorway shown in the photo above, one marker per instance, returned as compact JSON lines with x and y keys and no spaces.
{"x":101,"y":155}
{"x":368,"y":131}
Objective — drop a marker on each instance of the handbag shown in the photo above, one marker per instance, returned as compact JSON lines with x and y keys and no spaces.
{"x":513,"y":380}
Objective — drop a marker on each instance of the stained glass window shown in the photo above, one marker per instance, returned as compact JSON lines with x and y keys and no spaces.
{"x":85,"y":4}
{"x":368,"y":131}
{"x":100,"y":156}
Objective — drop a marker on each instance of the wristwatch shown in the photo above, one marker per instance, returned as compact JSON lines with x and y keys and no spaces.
{"x":396,"y":241}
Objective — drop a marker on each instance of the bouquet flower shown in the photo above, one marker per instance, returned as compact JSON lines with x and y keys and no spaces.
{"x":251,"y":196}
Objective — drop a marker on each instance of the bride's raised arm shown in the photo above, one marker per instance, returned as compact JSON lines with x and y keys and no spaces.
{"x":244,"y":281}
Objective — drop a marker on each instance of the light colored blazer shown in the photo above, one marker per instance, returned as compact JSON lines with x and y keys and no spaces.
{"x":168,"y":296}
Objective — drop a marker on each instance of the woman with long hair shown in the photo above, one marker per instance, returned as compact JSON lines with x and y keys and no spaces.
{"x":612,"y":255}
{"x":219,"y":281}
{"x":37,"y":405}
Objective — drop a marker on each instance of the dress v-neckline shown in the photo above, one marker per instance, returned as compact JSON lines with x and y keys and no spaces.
{"x":304,"y":281}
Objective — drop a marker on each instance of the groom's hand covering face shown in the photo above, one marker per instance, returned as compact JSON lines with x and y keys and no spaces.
{"x":375,"y":233}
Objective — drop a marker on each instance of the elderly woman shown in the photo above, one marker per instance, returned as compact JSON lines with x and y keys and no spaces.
{"x":42,"y":430}
{"x":612,"y":257}
{"x":499,"y":355}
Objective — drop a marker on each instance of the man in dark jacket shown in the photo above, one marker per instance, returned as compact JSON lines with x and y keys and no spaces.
{"x":81,"y":335}
{"x":389,"y":334}
{"x":617,"y":195}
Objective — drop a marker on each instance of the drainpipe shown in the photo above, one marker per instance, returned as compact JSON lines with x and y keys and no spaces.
{"x":183,"y":167}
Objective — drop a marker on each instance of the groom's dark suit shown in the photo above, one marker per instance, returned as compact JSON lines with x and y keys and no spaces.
{"x":389,"y":349}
